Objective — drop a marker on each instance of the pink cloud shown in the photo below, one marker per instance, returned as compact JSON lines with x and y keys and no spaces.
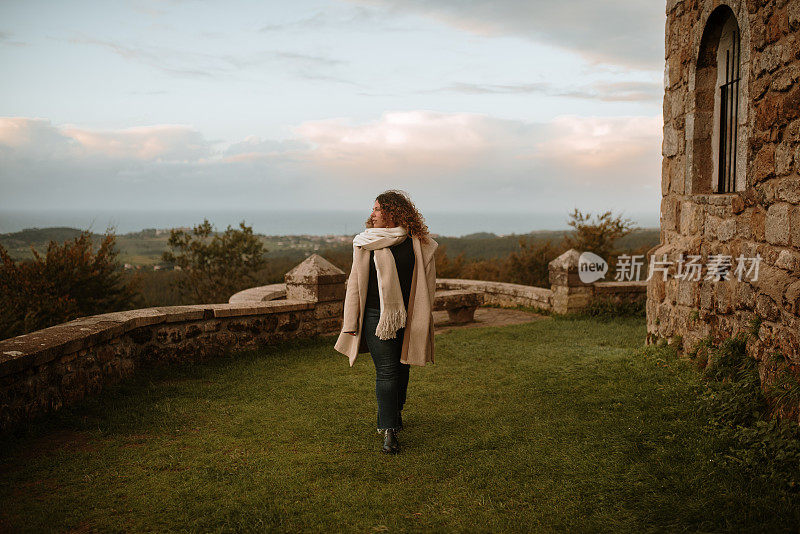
{"x":34,"y":137}
{"x":410,"y":141}
{"x":477,"y":158}
{"x":627,"y":145}
{"x":160,"y":142}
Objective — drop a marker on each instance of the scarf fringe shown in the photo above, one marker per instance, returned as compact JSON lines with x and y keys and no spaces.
{"x":390,"y":322}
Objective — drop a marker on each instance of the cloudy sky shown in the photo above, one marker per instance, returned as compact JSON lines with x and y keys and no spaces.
{"x":502,"y":105}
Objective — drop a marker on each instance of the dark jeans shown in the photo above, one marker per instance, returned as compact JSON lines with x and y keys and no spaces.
{"x":391,"y":376}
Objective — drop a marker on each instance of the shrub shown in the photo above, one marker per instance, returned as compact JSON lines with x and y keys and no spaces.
{"x":733,"y":393}
{"x":759,"y":445}
{"x":214,"y":266}
{"x":598,"y":236}
{"x":447,"y":267}
{"x":729,"y":360}
{"x":71,"y":280}
{"x":768,"y":450}
{"x":531,"y":264}
{"x":700,"y":352}
{"x":785,"y":390}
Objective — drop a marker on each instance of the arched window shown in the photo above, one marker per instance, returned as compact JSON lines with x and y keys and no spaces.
{"x":717,"y":140}
{"x":726,"y":113}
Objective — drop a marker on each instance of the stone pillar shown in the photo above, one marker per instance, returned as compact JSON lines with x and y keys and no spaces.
{"x":318,"y":280}
{"x":569,"y":293}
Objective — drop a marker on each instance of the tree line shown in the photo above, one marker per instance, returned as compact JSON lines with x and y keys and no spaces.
{"x":79,"y":277}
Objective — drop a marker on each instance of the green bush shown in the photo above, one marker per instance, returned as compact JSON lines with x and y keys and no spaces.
{"x":768,"y":450}
{"x":530,"y":265}
{"x":70,"y":280}
{"x":729,"y":360}
{"x":760,"y":445}
{"x":785,"y":390}
{"x":598,"y":236}
{"x":734,"y":403}
{"x":214,"y":265}
{"x":701,"y":350}
{"x":733,"y":395}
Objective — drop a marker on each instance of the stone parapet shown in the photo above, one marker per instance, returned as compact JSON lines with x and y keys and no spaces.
{"x":621,"y":292}
{"x":45,"y":370}
{"x":501,"y":293}
{"x":260,"y":294}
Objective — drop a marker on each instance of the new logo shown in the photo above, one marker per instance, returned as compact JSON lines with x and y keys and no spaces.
{"x":591,"y":267}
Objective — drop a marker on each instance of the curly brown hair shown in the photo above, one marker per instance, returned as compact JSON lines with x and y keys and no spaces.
{"x":397,"y":205}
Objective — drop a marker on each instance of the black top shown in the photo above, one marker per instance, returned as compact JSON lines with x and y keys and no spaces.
{"x":404,"y":260}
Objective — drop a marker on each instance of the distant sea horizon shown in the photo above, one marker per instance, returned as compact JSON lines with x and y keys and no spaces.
{"x":294,"y":222}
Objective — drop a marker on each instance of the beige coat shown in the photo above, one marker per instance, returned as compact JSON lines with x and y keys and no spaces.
{"x":418,"y":338}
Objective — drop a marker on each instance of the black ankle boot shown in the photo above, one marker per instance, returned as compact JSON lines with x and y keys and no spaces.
{"x":390,"y":443}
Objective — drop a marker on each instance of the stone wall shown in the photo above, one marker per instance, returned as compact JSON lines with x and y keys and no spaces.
{"x":501,"y":293}
{"x":48,"y":369}
{"x":260,"y":294}
{"x":567,"y":293}
{"x":762,"y":218}
{"x":55,"y":367}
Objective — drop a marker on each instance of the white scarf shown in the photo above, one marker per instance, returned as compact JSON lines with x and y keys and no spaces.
{"x":393,"y":308}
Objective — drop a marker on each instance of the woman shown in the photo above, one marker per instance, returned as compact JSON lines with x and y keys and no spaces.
{"x":388,"y":307}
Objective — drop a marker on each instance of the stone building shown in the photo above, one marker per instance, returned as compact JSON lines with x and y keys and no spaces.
{"x":730,"y":209}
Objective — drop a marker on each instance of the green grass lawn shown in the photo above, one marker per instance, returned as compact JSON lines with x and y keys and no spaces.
{"x":560,"y":424}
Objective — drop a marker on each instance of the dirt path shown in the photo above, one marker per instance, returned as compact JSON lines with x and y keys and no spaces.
{"x":487,"y":317}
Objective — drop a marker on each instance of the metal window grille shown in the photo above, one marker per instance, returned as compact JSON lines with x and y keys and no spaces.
{"x":729,"y":123}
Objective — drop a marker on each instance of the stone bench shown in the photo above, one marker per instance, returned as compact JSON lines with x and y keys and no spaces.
{"x":459,"y":303}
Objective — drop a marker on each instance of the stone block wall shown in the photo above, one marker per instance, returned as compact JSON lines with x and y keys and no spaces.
{"x":762,"y":217}
{"x":567,"y":293}
{"x":58,"y":366}
{"x":55,"y":367}
{"x":501,"y":293}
